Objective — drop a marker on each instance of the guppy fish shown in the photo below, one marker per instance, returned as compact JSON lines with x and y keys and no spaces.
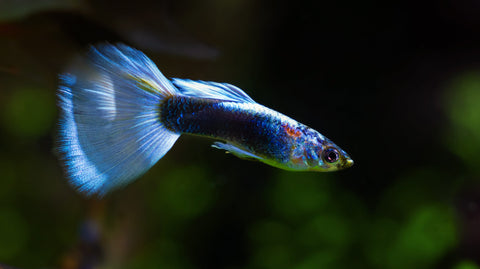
{"x":119,"y":115}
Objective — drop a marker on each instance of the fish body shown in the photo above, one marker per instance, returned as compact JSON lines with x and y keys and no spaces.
{"x":120,"y":115}
{"x":252,"y":130}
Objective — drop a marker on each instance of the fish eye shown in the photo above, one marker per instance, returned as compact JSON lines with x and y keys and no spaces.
{"x":330,"y":155}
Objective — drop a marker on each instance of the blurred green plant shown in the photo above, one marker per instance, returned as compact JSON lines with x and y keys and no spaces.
{"x":462,"y":103}
{"x":182,"y":194}
{"x":306,"y":229}
{"x":466,"y":265}
{"x":313,"y":224}
{"x":414,"y":226}
{"x":424,"y":237}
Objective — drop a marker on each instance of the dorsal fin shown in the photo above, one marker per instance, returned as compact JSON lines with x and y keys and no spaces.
{"x":211,"y":90}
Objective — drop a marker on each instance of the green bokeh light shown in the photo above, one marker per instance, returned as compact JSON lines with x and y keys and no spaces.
{"x":466,"y":265}
{"x":462,"y":101}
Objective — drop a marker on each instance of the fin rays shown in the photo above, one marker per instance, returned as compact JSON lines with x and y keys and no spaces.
{"x":240,"y":153}
{"x":110,"y":131}
{"x":211,"y":90}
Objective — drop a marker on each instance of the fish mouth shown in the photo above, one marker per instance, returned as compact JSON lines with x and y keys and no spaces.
{"x":345,"y":163}
{"x":348,"y":163}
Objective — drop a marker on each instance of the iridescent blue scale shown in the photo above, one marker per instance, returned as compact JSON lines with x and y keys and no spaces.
{"x":252,"y":126}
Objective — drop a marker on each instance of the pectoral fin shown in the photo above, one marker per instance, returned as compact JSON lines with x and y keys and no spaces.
{"x":240,"y":153}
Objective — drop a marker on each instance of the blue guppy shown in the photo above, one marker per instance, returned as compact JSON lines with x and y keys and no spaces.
{"x":119,"y":115}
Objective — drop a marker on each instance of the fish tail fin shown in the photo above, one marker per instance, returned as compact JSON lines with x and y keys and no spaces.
{"x":110,"y":130}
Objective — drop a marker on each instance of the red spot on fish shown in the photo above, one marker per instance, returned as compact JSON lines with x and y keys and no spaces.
{"x":291,"y":131}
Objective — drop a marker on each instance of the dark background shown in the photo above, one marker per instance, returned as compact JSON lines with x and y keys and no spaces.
{"x":395,"y":84}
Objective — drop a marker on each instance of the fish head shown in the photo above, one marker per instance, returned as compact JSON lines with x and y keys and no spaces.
{"x":321,"y":154}
{"x":328,"y":158}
